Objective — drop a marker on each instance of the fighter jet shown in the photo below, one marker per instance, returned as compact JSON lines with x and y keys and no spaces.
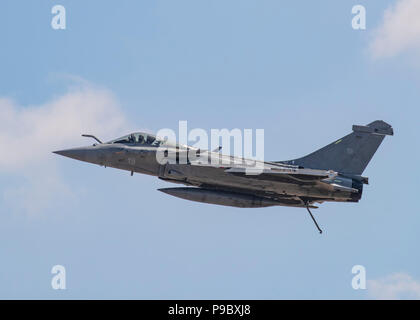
{"x":332,"y":173}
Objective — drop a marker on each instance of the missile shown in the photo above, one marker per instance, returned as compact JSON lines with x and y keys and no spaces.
{"x":220,"y":197}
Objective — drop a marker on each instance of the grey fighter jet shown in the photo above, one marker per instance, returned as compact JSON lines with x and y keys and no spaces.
{"x":332,"y":173}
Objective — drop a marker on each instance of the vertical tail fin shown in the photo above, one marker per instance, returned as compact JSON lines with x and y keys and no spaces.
{"x":350,"y":154}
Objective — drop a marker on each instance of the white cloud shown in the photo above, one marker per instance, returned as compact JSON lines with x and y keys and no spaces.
{"x":394,"y":286}
{"x":29,"y":134}
{"x":399,"y":31}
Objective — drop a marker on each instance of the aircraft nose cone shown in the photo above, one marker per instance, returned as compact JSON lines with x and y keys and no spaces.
{"x":75,"y":153}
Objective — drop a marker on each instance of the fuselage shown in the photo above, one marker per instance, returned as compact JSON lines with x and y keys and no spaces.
{"x":180,"y":169}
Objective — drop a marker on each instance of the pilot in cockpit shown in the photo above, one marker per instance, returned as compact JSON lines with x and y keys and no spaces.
{"x":141,"y":139}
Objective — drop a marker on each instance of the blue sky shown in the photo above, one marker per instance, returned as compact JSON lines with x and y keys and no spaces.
{"x":296,"y":69}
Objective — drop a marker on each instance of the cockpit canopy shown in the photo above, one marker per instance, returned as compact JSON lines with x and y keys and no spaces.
{"x":139,"y":138}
